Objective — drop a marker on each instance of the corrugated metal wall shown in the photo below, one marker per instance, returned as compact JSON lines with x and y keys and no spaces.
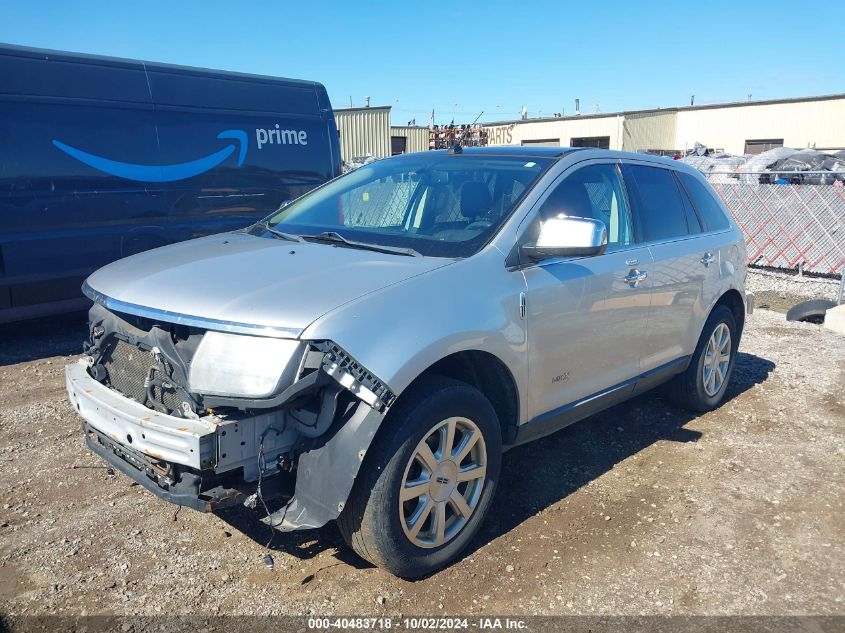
{"x":417,"y":137}
{"x":648,"y":130}
{"x":363,"y":132}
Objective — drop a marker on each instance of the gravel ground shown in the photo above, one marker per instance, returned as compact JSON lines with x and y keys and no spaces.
{"x":780,"y":291}
{"x":645,"y":509}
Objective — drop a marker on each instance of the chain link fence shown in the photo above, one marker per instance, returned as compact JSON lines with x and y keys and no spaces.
{"x":383,"y":204}
{"x":788,"y":226}
{"x":793,"y":227}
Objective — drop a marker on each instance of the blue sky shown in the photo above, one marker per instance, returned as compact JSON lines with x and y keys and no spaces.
{"x":463,"y":58}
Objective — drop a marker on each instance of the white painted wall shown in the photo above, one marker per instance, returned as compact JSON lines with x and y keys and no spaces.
{"x":798,"y":124}
{"x":563,"y":129}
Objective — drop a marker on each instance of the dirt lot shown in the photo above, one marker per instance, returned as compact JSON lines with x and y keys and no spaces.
{"x":645,"y":509}
{"x":779,"y":291}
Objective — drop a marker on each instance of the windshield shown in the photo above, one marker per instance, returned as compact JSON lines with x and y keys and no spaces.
{"x":439,"y":205}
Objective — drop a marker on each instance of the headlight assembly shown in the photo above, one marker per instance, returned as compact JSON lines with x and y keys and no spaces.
{"x":242,"y":366}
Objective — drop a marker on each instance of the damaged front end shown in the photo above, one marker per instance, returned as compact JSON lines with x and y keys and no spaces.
{"x":209,"y":419}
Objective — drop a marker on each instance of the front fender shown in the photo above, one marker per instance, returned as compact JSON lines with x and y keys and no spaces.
{"x":397,"y":333}
{"x":327,"y":471}
{"x":402,"y":330}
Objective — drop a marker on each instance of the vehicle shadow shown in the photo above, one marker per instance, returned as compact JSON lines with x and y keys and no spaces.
{"x":60,"y":335}
{"x":303,"y":544}
{"x":538,"y":475}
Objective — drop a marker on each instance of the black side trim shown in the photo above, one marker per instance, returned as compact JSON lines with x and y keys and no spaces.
{"x":548,"y":423}
{"x":659,"y":375}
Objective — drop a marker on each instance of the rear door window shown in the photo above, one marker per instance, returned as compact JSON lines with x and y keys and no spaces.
{"x":656,"y":201}
{"x":693,"y":221}
{"x":705,"y":203}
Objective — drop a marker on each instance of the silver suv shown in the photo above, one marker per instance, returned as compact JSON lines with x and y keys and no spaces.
{"x":368,"y":352}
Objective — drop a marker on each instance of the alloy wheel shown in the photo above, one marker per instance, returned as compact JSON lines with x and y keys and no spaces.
{"x":717,"y":359}
{"x":443,"y":482}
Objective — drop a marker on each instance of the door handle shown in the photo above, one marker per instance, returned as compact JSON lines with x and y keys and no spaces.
{"x":708,"y":258}
{"x":635,"y":277}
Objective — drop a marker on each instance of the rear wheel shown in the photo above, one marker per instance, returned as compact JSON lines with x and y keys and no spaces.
{"x":702,"y":386}
{"x":427,"y":481}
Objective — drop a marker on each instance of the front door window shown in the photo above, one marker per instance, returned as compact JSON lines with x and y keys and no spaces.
{"x":593,"y":192}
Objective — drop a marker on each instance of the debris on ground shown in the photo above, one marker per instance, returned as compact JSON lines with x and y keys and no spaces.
{"x":736,"y":511}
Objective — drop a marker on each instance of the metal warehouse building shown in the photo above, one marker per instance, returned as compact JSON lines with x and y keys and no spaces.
{"x":367,"y":132}
{"x":746,"y":127}
{"x":737,"y":128}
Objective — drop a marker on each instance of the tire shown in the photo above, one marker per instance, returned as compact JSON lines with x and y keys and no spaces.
{"x":374,"y":523}
{"x":812,"y":311}
{"x":688,"y":389}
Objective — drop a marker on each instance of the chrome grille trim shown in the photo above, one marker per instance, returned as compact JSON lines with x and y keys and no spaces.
{"x":115,"y":305}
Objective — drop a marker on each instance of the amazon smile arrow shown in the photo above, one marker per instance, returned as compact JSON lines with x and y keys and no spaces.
{"x":161,"y":173}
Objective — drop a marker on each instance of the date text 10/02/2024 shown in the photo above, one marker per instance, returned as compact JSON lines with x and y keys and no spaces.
{"x":418,"y":623}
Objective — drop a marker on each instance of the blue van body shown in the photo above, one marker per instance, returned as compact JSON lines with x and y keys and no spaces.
{"x":101,"y":158}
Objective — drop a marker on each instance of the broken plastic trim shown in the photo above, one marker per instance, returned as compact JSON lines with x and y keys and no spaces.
{"x":353,"y":377}
{"x":336,"y":364}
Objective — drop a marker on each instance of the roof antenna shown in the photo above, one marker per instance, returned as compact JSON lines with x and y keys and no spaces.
{"x":456,"y":149}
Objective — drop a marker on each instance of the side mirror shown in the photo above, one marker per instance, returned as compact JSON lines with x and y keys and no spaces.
{"x":566,"y":236}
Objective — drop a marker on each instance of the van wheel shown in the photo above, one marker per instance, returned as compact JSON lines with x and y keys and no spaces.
{"x":702,"y":386}
{"x":427,"y":481}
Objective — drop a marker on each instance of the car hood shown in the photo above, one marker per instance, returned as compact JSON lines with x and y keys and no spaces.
{"x":239,"y":279}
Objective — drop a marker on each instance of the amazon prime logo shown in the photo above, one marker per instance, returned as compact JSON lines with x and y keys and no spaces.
{"x":181,"y":171}
{"x":277,"y":136}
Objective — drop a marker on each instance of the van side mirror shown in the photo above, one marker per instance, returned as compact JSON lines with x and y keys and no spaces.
{"x":565,"y":236}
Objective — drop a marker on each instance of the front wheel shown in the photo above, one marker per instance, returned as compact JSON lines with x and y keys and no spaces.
{"x":428,"y":480}
{"x":702,"y":386}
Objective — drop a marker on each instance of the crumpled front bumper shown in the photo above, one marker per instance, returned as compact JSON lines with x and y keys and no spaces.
{"x":225,"y":448}
{"x":205,"y":464}
{"x":148,"y":473}
{"x":131,"y":424}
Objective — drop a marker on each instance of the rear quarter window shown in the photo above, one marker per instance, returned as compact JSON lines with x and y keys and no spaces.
{"x":659,"y":212}
{"x":704,"y":199}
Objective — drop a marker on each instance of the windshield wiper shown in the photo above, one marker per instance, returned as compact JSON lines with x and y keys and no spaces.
{"x":337,"y":238}
{"x":291,"y":237}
